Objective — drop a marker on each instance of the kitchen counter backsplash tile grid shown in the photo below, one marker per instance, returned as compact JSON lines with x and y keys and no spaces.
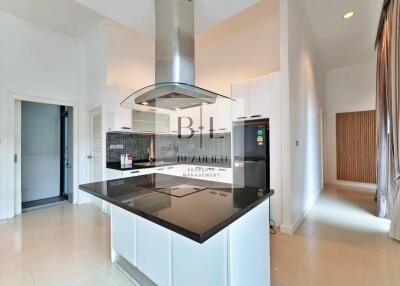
{"x":133,"y":144}
{"x":167,"y":146}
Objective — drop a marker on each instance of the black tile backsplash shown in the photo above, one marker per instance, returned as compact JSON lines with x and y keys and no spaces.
{"x":133,"y":144}
{"x":167,"y":146}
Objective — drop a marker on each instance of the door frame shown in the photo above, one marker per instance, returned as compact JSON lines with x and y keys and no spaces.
{"x":14,"y":147}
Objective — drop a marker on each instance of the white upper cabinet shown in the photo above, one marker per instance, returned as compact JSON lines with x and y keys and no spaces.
{"x":118,"y":119}
{"x":240,"y":105}
{"x":259,"y":97}
{"x":253,"y":97}
{"x":220,"y":113}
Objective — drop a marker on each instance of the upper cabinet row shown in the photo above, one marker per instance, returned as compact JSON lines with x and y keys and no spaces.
{"x":118,"y":119}
{"x":141,"y":119}
{"x":212,"y":118}
{"x":253,"y":97}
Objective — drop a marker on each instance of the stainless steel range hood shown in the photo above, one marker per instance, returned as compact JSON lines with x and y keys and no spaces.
{"x":175,"y":73}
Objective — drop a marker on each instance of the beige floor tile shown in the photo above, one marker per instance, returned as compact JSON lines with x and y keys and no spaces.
{"x":340,"y":242}
{"x":332,"y":271}
{"x":17,"y":278}
{"x":284,"y":264}
{"x":343,"y":242}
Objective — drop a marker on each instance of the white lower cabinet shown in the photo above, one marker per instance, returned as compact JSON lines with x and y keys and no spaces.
{"x":170,"y":259}
{"x":123,"y":238}
{"x":153,"y":257}
{"x":114,"y":174}
{"x":174,"y":170}
{"x":198,"y":264}
{"x":138,"y":172}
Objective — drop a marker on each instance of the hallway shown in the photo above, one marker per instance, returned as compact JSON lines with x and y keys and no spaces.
{"x":341,"y":242}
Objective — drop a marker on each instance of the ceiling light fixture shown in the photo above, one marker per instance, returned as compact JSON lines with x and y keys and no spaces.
{"x":348,"y":15}
{"x":145,"y":103}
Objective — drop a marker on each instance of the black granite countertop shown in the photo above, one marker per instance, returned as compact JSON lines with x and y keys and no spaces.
{"x":198,"y":216}
{"x":166,"y":162}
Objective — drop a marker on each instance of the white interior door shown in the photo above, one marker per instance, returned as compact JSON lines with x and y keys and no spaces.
{"x":96,"y":145}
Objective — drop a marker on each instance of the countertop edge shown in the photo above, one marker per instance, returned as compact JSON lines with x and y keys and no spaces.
{"x":199,"y":238}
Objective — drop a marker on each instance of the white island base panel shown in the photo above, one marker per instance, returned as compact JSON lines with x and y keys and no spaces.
{"x":239,"y":255}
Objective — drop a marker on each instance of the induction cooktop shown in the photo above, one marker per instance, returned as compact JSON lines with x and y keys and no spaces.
{"x":181,"y":190}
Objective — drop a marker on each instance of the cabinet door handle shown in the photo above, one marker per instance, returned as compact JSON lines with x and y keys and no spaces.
{"x":160,"y":169}
{"x":169,"y":168}
{"x":126,"y":128}
{"x":222,"y":129}
{"x":135,"y":172}
{"x":242,"y":117}
{"x":222,"y":170}
{"x":256,"y":116}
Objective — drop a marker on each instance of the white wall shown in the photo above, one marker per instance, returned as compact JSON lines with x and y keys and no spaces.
{"x":96,"y":65}
{"x":249,"y":53}
{"x":220,"y":60}
{"x":35,"y":64}
{"x":303,"y":86}
{"x":130,"y":58}
{"x":348,"y":89}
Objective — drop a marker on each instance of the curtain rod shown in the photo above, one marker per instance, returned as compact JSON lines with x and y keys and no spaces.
{"x":381,"y":22}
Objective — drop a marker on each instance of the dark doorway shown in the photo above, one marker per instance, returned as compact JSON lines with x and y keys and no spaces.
{"x":46,"y":154}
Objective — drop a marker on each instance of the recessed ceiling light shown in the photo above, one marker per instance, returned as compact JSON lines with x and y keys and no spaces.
{"x":145,"y":103}
{"x":204,"y":103}
{"x":177,"y":109}
{"x":348,"y":15}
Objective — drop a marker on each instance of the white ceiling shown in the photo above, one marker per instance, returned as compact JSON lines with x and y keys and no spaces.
{"x":138,"y":15}
{"x":62,"y":16}
{"x":344,"y":42}
{"x":77,"y":18}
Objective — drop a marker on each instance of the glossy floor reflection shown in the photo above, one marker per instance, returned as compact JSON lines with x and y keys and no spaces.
{"x":341,"y":242}
{"x":62,"y":245}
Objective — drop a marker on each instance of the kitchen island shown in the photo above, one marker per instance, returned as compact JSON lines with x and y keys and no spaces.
{"x":176,"y":231}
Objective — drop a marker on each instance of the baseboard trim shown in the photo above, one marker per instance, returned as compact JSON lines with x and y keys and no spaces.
{"x":291,"y":229}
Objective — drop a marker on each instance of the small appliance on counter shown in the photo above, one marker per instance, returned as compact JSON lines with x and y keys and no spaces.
{"x":126,"y":160}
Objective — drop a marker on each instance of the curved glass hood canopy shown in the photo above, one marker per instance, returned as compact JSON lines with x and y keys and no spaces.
{"x":172,"y":96}
{"x":174,"y":88}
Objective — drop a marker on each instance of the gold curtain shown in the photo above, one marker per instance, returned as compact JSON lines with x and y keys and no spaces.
{"x":388,"y":124}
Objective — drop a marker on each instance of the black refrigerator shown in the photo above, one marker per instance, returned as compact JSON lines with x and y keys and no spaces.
{"x":251,"y":154}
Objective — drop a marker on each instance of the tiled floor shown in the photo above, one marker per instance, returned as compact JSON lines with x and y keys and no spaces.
{"x":340,"y":243}
{"x":63,"y":245}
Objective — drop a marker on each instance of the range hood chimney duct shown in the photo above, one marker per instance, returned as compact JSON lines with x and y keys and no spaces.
{"x":174,"y":88}
{"x":175,"y":41}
